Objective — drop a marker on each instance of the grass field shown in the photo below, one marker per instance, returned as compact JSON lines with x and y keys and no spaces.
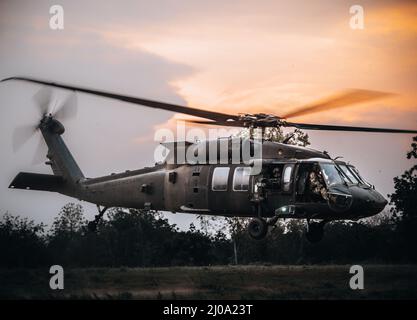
{"x":225,"y":282}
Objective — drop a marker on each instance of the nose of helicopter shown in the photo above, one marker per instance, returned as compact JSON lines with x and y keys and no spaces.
{"x":374,"y":202}
{"x":377,"y":202}
{"x":367,"y":202}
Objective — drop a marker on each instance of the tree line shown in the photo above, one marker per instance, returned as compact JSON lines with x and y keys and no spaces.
{"x":137,"y":238}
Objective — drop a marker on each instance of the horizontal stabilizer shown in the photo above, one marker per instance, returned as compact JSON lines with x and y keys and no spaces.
{"x":37,"y":181}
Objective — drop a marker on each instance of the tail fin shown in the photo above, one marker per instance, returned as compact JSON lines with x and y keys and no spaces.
{"x":61,"y":160}
{"x":65,"y":169}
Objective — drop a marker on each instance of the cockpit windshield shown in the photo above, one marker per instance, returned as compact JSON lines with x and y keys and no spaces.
{"x":358,"y":176}
{"x":351,"y":176}
{"x":330,"y":174}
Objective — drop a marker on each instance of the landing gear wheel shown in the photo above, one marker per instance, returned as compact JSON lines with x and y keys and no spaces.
{"x":257,"y":228}
{"x":315,"y":231}
{"x":92,"y":225}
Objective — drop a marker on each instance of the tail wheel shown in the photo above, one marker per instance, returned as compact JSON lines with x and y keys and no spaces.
{"x":257,"y":228}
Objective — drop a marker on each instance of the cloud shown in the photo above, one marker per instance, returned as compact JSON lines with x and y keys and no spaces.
{"x":264,"y":62}
{"x":394,"y":20}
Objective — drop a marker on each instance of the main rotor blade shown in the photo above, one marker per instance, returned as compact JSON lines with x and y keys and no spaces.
{"x":343,"y":99}
{"x":233,"y":123}
{"x":310,"y":126}
{"x":21,"y":135}
{"x":68,"y":109}
{"x":140,"y":101}
{"x":43,"y":99}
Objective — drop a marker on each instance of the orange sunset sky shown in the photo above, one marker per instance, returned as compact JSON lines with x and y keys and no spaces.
{"x":273,"y":57}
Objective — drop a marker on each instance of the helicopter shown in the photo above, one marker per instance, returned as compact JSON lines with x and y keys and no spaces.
{"x":289,"y":181}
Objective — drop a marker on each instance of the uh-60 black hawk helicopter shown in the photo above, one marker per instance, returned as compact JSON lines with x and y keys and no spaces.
{"x":294,"y":182}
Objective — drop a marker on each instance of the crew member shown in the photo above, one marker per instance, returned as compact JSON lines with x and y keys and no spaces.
{"x":317,"y":185}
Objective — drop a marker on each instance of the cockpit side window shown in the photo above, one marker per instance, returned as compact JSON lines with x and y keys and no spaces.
{"x":331,"y":174}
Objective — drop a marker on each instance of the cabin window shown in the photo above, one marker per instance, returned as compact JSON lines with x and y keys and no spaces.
{"x":220,"y":177}
{"x":286,"y":180}
{"x":241,"y":179}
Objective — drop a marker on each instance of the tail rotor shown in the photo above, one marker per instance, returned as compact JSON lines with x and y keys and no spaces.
{"x":43,"y":99}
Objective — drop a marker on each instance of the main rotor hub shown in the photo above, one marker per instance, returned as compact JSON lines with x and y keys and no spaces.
{"x":261,"y":120}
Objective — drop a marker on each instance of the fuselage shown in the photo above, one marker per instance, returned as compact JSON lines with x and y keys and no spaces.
{"x":230,"y":189}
